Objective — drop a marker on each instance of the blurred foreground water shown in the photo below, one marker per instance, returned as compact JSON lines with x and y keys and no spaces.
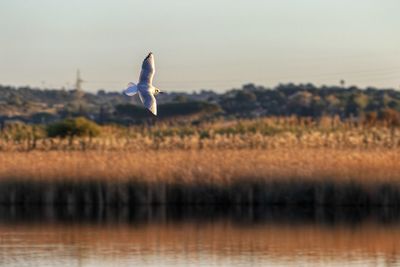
{"x":199,"y":236}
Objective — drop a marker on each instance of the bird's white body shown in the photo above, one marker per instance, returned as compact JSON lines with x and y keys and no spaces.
{"x":145,"y":87}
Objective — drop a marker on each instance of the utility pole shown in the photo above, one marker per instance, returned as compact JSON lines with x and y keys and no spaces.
{"x":79,"y":81}
{"x":79,"y":94}
{"x":78,"y":86}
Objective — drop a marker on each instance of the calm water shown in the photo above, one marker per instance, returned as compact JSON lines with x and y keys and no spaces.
{"x":202,"y":236}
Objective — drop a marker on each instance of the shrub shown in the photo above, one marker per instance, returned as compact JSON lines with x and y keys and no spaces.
{"x":73,"y":127}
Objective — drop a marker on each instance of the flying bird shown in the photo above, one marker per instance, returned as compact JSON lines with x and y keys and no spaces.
{"x":145,"y":87}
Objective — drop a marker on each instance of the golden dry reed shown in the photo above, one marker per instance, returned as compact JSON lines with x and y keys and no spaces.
{"x":204,"y":166}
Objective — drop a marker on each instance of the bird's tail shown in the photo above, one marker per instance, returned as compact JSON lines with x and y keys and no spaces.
{"x":131,"y":89}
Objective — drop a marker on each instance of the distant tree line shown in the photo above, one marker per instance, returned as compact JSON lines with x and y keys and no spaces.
{"x":303,"y":100}
{"x":307,"y":100}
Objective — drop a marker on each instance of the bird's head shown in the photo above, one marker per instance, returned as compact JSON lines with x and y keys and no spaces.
{"x":158,"y":91}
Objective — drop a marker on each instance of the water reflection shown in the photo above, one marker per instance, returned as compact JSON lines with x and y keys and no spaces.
{"x":202,"y":235}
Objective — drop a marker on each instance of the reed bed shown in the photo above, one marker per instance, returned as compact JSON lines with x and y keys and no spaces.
{"x":204,"y":166}
{"x":274,"y":160}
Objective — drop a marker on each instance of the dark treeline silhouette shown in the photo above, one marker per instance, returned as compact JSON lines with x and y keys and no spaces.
{"x":303,"y":100}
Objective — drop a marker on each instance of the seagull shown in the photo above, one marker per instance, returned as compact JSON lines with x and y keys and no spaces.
{"x":145,"y":87}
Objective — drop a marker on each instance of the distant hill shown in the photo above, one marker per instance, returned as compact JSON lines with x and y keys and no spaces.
{"x":43,"y":106}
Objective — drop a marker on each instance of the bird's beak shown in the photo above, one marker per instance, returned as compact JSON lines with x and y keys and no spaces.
{"x":161,"y":92}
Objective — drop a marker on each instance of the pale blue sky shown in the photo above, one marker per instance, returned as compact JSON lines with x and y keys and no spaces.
{"x":211,"y":44}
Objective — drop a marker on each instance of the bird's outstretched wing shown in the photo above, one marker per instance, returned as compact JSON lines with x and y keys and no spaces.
{"x":131,"y":90}
{"x":148,"y":70}
{"x":149,"y":101}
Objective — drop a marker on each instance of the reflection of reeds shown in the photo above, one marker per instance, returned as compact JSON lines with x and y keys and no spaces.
{"x":367,"y":242}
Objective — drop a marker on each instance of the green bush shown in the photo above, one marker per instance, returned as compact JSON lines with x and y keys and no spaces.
{"x":73,"y":127}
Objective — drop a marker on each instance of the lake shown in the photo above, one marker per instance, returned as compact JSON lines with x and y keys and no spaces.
{"x":199,"y":236}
